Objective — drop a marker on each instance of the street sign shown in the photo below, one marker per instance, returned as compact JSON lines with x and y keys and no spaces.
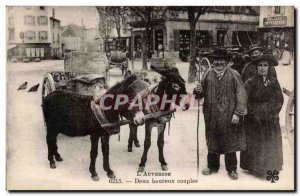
{"x":277,"y":21}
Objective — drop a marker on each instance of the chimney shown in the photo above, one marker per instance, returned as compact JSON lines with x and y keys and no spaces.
{"x":53,"y":13}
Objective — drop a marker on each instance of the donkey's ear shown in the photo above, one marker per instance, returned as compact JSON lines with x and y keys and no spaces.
{"x":161,"y":71}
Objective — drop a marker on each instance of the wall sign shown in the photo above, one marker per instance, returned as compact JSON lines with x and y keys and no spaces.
{"x":277,"y":21}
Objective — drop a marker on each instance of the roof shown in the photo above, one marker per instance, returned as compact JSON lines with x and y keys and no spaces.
{"x":72,"y":30}
{"x":51,"y":18}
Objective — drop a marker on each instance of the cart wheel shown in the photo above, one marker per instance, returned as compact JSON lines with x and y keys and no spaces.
{"x":290,"y":120}
{"x":48,"y":85}
{"x":204,"y":65}
{"x":277,"y":54}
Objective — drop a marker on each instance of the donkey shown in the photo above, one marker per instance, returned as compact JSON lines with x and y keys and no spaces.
{"x":171,"y":84}
{"x":71,"y":114}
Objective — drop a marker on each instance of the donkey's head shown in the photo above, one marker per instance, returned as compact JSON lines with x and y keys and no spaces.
{"x":173,"y":85}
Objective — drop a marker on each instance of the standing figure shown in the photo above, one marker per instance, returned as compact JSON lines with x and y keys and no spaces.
{"x":225,"y":102}
{"x":250,"y":69}
{"x":263,"y":134}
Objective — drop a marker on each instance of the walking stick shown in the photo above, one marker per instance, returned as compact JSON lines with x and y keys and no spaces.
{"x":199,"y":80}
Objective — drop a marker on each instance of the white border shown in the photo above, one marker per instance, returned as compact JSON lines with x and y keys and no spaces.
{"x":92,"y":3}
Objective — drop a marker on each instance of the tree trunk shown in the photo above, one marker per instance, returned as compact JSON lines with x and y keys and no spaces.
{"x":192,"y":68}
{"x":145,"y":48}
{"x":119,"y":38}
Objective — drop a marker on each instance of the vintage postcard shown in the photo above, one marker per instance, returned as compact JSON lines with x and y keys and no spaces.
{"x":150,"y":98}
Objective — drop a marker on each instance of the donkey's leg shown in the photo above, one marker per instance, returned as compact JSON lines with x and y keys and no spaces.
{"x":130,"y":140}
{"x":93,"y":155}
{"x":133,"y":137}
{"x":147,"y":144}
{"x":56,"y":154}
{"x":160,"y":145}
{"x":105,"y":152}
{"x":52,"y":147}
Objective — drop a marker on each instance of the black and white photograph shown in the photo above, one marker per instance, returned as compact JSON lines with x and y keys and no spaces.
{"x":150,"y":98}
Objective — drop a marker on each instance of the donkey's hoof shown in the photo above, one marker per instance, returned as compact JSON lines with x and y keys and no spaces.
{"x":111,"y":175}
{"x":164,"y":167}
{"x":141,"y":168}
{"x":58,"y":158}
{"x":137,"y":144}
{"x":129,"y":149}
{"x":52,"y":165}
{"x":95,"y":178}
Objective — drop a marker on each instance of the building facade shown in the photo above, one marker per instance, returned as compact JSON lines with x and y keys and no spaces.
{"x":72,"y":37}
{"x":79,"y":38}
{"x":28,"y":33}
{"x":55,"y":33}
{"x":276,"y":27}
{"x":220,"y":25}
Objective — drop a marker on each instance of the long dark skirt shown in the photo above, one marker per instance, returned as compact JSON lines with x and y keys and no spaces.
{"x":264,"y":145}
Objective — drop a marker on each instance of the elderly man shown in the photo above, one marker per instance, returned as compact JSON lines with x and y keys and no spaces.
{"x":225,"y":101}
{"x":250,"y":69}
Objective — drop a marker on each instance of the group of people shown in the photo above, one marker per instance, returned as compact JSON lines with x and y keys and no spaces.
{"x":241,"y":113}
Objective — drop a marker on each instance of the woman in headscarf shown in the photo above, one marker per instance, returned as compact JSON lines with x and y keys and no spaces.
{"x":262,"y":128}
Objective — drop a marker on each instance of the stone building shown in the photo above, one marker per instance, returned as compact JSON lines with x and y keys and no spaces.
{"x":220,"y":25}
{"x":79,"y":38}
{"x":55,"y":34}
{"x":28,"y":30}
{"x":276,"y":27}
{"x":72,"y":37}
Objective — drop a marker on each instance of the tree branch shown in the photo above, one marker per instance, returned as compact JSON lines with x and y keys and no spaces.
{"x":139,"y":13}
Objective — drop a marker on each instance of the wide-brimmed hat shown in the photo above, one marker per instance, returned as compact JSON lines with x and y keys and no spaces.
{"x":220,"y":53}
{"x":254,"y":47}
{"x":270,"y":59}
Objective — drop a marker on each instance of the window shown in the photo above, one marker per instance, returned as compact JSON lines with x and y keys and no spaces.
{"x":228,"y":8}
{"x":42,"y":7}
{"x":29,"y":20}
{"x":30,"y":35}
{"x":42,"y":20}
{"x":57,"y":38}
{"x":11,"y":34}
{"x":53,"y":40}
{"x":11,"y":21}
{"x":43,"y":35}
{"x":277,"y":9}
{"x":237,"y":8}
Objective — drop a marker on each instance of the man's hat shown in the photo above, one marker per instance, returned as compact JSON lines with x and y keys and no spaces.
{"x":254,"y":47}
{"x":220,"y":54}
{"x":270,"y":59}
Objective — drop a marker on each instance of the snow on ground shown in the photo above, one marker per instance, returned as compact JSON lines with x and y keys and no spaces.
{"x":28,"y":167}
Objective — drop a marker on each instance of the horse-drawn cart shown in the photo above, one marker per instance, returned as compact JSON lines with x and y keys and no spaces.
{"x":118,"y":59}
{"x":83,"y":72}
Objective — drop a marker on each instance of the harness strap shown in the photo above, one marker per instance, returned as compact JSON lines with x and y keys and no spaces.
{"x":101,"y":118}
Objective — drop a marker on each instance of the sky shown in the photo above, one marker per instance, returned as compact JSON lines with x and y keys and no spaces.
{"x":70,"y":14}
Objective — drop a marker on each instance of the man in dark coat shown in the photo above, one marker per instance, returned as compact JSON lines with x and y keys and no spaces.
{"x":225,"y":102}
{"x":250,"y":69}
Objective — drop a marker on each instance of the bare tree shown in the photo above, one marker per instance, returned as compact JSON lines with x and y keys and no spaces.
{"x":112,"y":17}
{"x":194,"y":13}
{"x":147,"y":14}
